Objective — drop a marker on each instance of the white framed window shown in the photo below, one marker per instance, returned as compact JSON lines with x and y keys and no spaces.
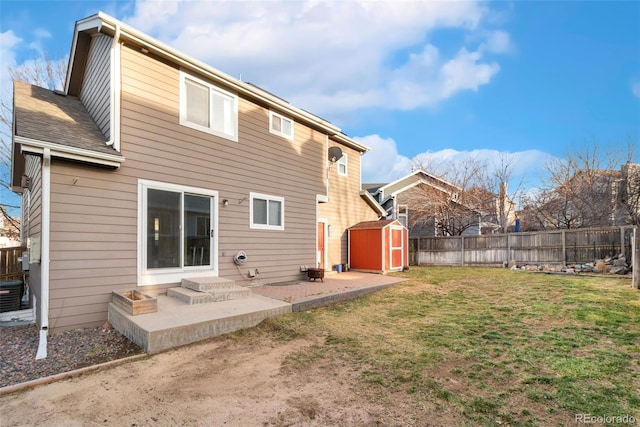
{"x":266,"y":212}
{"x":280,"y":125}
{"x":176,"y":232}
{"x":342,"y":165}
{"x":208,"y":108}
{"x":403,"y":215}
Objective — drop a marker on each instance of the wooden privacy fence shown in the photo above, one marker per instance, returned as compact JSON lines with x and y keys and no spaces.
{"x":552,"y":247}
{"x":10,"y":264}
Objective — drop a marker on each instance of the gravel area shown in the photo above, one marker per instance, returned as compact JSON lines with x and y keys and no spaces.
{"x":66,"y":351}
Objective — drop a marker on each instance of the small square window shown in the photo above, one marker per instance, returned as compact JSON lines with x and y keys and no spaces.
{"x":267,"y":212}
{"x":342,"y":165}
{"x":280,"y":125}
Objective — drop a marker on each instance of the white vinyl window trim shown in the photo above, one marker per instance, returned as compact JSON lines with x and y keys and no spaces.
{"x":208,"y":108}
{"x":342,"y":165}
{"x":148,"y":276}
{"x":280,"y":125}
{"x":266,"y":212}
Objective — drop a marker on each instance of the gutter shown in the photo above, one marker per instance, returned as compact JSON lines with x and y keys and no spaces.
{"x":34,"y":146}
{"x":114,"y":128}
{"x":373,"y":202}
{"x":108,"y":25}
{"x":44,"y":253}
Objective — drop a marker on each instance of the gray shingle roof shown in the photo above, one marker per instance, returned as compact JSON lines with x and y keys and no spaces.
{"x":44,"y":115}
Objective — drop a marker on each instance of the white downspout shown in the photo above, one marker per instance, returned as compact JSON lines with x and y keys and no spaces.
{"x":44,"y":253}
{"x":114,"y":111}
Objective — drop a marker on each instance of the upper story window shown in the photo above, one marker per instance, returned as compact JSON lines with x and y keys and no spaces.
{"x":280,"y":125}
{"x":342,"y":165}
{"x":403,"y":215}
{"x":267,"y":212}
{"x":208,"y":108}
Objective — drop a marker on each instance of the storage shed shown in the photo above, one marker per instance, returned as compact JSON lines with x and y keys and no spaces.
{"x":378,"y":246}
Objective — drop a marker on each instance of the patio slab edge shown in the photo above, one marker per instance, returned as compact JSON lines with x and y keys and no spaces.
{"x":338,"y":297}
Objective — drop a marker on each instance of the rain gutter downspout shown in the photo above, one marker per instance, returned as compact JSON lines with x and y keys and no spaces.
{"x":114,"y":111}
{"x":44,"y":253}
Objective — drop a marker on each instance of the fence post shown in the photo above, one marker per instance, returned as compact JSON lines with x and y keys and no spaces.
{"x":462,"y":249}
{"x":564,"y":248}
{"x":635,"y":259}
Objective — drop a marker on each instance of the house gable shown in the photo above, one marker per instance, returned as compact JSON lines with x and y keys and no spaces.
{"x":103,"y":222}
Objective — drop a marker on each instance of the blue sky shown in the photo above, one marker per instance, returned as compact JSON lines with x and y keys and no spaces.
{"x":436,"y":80}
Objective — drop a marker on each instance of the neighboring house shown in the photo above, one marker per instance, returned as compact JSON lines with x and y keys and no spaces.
{"x":629,"y":191}
{"x":589,"y":198}
{"x":430,"y":206}
{"x":152,"y":167}
{"x":497,"y":211}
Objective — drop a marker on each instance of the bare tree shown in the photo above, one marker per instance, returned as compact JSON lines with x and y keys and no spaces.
{"x":587,"y":189}
{"x":467,"y":195}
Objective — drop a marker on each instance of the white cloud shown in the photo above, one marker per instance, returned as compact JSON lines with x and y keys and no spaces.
{"x":383,"y":164}
{"x":635,"y":89}
{"x":332,"y":57}
{"x":465,"y":72}
{"x":8,"y":43}
{"x":42,"y":33}
{"x":499,"y":42}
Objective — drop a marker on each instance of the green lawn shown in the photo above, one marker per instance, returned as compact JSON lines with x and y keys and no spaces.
{"x":493,"y":346}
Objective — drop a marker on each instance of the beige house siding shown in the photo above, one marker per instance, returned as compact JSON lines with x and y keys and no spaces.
{"x":32,"y":203}
{"x":345,"y":207}
{"x":94,"y":212}
{"x":158,"y":148}
{"x":95,"y":94}
{"x":93,"y":247}
{"x":32,"y":218}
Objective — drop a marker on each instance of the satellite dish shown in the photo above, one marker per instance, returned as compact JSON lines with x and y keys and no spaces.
{"x":335,"y":153}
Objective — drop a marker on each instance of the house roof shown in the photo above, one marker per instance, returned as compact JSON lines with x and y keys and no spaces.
{"x":384,"y":192}
{"x":417,"y":177}
{"x":47,"y":116}
{"x":43,"y":119}
{"x":373,"y":203}
{"x":373,"y":225}
{"x":106,"y":24}
{"x":372,"y":188}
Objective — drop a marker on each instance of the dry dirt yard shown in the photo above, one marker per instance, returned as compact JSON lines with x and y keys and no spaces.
{"x":217,"y":382}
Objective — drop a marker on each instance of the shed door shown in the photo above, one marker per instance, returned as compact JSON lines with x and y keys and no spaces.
{"x":397,"y":247}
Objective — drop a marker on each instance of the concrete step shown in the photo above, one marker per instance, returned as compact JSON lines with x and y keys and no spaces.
{"x":176,"y":324}
{"x":191,"y":297}
{"x":206,"y":284}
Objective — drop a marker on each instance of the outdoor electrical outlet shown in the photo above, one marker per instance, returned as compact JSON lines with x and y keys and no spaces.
{"x":303,"y":268}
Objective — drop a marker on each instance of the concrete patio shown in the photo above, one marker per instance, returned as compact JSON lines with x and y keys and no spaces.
{"x":177,"y":323}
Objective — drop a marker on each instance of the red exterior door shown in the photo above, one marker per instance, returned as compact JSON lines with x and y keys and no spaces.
{"x":320,"y":239}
